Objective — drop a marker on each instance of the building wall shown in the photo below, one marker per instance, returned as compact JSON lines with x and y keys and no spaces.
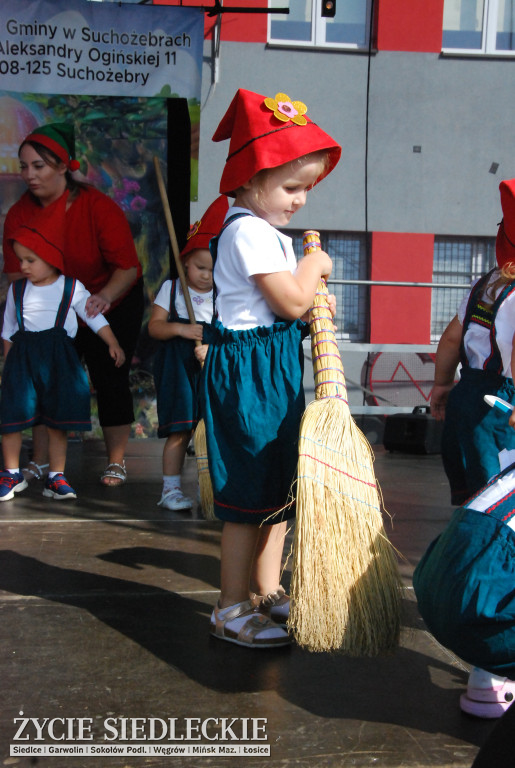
{"x":419,"y":130}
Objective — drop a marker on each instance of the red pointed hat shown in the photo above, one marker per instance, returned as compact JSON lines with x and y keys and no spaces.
{"x":207,"y":227}
{"x":505,"y":243}
{"x":44,"y":234}
{"x":265,"y":133}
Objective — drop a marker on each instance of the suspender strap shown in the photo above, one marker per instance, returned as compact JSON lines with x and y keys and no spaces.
{"x":18,"y":292}
{"x":493,"y":363}
{"x":172,"y":314}
{"x":64,"y":306}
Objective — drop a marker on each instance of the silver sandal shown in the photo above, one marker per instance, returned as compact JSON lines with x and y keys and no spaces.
{"x":275,"y":604}
{"x":249,"y":632}
{"x":34,"y":471}
{"x":116,"y":471}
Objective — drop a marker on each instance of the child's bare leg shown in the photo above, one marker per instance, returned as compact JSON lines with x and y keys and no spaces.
{"x":40,"y":444}
{"x":174,"y":452}
{"x":235,"y":619}
{"x":239,"y":542}
{"x":11,"y":447}
{"x":57,"y":447}
{"x":265,"y":576}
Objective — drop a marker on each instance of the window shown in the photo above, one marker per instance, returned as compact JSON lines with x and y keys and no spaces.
{"x":348,"y":252}
{"x":459,"y":261}
{"x":305,"y":25}
{"x":479,"y":26}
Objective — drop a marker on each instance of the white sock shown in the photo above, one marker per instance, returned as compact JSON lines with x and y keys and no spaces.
{"x":171,"y":482}
{"x":13,"y":471}
{"x":53,"y":474}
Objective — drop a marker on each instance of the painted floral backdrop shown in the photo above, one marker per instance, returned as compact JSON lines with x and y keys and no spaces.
{"x":116,"y":141}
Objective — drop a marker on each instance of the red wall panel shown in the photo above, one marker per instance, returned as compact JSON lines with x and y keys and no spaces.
{"x":401,"y":315}
{"x":409,"y":25}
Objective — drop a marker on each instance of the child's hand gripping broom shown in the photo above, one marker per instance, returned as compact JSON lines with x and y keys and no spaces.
{"x":206,"y":491}
{"x":345,"y":589}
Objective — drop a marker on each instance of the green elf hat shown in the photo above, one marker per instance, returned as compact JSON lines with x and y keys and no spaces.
{"x":59,"y":138}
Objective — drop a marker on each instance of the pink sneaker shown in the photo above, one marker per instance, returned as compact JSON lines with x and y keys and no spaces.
{"x":488,"y":696}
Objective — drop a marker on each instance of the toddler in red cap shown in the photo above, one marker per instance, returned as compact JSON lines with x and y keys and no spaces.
{"x":178,"y":360}
{"x":43,"y":381}
{"x":481,"y":338}
{"x":252,"y":387}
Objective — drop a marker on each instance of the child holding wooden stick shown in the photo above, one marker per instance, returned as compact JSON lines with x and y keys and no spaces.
{"x":252,"y":387}
{"x":177,"y":363}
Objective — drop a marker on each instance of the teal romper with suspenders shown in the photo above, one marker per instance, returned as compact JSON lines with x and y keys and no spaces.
{"x":473,"y":432}
{"x":465,"y":582}
{"x":252,"y":401}
{"x":43,"y":380}
{"x":176,"y":376}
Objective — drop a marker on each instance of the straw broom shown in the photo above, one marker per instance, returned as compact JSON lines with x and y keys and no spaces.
{"x":206,"y":491}
{"x":345,"y":589}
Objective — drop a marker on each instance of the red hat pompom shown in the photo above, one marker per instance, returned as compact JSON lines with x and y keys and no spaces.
{"x":74,"y":165}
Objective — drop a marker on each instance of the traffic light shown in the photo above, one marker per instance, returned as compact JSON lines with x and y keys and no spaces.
{"x":328,"y":8}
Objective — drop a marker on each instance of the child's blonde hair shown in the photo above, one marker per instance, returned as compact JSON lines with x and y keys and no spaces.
{"x":506,"y":274}
{"x":322,"y":156}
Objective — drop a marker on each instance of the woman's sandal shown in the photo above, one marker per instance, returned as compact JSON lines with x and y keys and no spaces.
{"x":34,"y":471}
{"x":275,"y":604}
{"x":116,"y":472}
{"x":250,"y":627}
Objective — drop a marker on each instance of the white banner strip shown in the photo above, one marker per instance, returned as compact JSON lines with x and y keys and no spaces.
{"x":111,"y":49}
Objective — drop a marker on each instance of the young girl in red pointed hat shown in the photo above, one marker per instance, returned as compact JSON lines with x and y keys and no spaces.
{"x":481,"y":337}
{"x":252,"y":387}
{"x":43,"y":382}
{"x":178,"y":359}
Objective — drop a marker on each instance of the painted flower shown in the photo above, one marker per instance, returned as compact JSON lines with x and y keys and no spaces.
{"x":138,"y":203}
{"x":194,"y":228}
{"x":285,"y":109}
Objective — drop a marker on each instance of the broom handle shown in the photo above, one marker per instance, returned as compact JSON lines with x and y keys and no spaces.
{"x":327,"y":363}
{"x":175,"y":245}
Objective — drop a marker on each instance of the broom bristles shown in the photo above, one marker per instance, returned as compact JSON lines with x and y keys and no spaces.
{"x":204,"y":478}
{"x":345,"y":590}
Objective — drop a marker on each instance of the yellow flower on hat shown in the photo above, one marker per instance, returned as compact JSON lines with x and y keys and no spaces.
{"x":285,"y":109}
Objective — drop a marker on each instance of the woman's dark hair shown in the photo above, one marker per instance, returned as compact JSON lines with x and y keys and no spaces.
{"x":54,"y":161}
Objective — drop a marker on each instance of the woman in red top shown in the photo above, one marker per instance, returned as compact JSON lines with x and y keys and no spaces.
{"x":100,"y":252}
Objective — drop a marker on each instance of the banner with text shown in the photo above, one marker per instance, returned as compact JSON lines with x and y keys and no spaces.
{"x":82,"y":47}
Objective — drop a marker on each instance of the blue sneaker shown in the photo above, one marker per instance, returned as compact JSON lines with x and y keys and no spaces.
{"x":11,"y":484}
{"x":57,"y":487}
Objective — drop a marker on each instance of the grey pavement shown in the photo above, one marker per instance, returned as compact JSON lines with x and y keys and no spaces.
{"x":104,"y":624}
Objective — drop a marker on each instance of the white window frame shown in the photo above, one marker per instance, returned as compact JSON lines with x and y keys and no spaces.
{"x":488,"y":36}
{"x":318,"y":29}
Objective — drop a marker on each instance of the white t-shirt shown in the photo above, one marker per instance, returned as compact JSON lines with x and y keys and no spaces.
{"x":249,"y":246}
{"x":477,"y":338}
{"x":40,"y":305}
{"x":202,"y":303}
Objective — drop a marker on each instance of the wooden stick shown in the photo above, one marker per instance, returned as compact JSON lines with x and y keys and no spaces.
{"x":175,"y":245}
